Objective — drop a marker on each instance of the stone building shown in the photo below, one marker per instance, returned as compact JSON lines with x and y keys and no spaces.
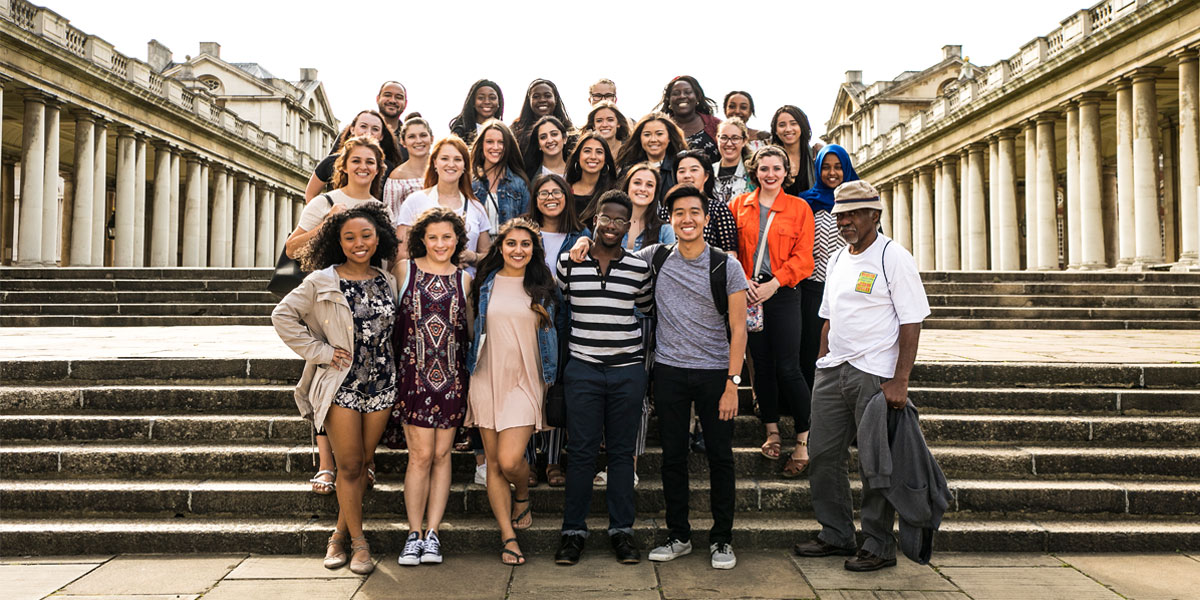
{"x":1080,"y":151}
{"x":108,"y":160}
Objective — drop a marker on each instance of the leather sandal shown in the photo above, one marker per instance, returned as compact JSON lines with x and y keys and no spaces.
{"x":335,"y":550}
{"x":772,"y":450}
{"x":361,"y":566}
{"x":518,"y":558}
{"x":794,"y":467}
{"x":370,"y":477}
{"x":320,"y":485}
{"x":555,"y":476}
{"x":516,"y":520}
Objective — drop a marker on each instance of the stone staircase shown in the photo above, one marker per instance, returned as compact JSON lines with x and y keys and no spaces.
{"x":960,"y":300}
{"x":196,"y":455}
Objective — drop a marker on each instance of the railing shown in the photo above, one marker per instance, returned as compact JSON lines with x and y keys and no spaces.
{"x":23,"y":13}
{"x":1101,"y":15}
{"x":189,"y":100}
{"x":120,"y":65}
{"x":76,"y":41}
{"x":1054,"y":42}
{"x":156,"y":84}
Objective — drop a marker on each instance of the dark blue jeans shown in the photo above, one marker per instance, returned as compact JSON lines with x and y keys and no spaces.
{"x":602,"y":403}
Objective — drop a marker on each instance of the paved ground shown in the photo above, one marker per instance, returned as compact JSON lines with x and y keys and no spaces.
{"x":936,"y":344}
{"x":758,"y":575}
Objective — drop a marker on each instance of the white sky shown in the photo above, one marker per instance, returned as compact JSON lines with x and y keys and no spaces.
{"x":781,"y":51}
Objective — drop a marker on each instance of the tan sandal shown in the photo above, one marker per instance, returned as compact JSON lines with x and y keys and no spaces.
{"x":361,"y":566}
{"x":772,"y":450}
{"x":335,"y":550}
{"x":555,"y":476}
{"x":794,"y":467}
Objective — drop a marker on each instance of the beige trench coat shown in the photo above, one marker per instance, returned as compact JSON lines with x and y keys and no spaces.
{"x":313,"y":320}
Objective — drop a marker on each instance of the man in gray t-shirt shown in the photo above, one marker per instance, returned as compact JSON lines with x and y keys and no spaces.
{"x":691,"y":334}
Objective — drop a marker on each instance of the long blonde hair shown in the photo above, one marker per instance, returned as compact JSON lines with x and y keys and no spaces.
{"x":340,"y":178}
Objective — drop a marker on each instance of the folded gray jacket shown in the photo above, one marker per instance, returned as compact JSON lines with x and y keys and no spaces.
{"x":893,"y":457}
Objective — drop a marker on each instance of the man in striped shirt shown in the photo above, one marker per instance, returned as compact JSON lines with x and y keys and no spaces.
{"x":605,"y":379}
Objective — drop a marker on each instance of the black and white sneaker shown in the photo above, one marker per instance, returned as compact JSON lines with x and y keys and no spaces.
{"x":411,"y":555}
{"x":722,"y":556}
{"x":672,"y":550}
{"x":432,"y":552}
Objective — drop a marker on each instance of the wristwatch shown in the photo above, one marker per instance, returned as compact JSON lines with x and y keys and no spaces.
{"x":736,"y":379}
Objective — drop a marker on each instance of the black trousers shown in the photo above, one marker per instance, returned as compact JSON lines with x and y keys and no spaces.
{"x":779,"y":383}
{"x":675,"y":390}
{"x":811,"y":293}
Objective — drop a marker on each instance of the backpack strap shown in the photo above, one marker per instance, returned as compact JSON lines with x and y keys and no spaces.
{"x":661,"y":254}
{"x":883,"y":260}
{"x":328,"y":199}
{"x":718,"y":280}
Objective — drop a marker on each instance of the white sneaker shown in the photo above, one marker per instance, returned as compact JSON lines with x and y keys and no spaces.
{"x":411,"y":555}
{"x":432,"y":552}
{"x":601,"y":478}
{"x":722,"y":556}
{"x":481,"y":474}
{"x":672,"y":550}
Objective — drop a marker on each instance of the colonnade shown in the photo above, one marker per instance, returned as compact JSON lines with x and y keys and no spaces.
{"x":189,"y":209}
{"x":980,"y":206}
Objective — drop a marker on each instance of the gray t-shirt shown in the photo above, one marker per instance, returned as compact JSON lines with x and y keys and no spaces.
{"x":764,"y":213}
{"x":691,"y":334}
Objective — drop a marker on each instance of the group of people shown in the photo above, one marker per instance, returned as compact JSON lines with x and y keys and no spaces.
{"x":458,"y":284}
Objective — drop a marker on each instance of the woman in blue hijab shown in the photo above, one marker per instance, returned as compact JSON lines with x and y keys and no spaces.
{"x":833,"y":168}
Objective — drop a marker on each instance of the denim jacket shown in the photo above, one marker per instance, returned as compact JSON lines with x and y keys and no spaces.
{"x":512,"y":196}
{"x":547,"y":336}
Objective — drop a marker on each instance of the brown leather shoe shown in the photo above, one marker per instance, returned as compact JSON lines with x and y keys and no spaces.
{"x":815,"y":547}
{"x":865,"y":561}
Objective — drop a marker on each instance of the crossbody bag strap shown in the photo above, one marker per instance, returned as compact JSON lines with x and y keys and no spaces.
{"x":762,"y":244}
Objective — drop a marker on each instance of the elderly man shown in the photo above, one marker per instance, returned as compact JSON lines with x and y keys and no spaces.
{"x":874,"y":303}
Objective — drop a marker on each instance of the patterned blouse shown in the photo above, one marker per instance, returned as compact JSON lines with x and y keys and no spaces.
{"x":826,"y":241}
{"x":396,"y":190}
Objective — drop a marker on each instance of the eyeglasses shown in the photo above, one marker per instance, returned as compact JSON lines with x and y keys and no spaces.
{"x":545,"y":194}
{"x":599,"y":97}
{"x":605,"y":221}
{"x":733,"y":139}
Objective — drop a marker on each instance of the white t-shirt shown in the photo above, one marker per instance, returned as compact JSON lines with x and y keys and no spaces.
{"x":552,"y":242}
{"x":866,"y":303}
{"x":314,"y":212}
{"x":472,"y":213}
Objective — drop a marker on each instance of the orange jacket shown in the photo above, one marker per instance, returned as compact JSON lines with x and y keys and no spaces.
{"x":790,"y":239}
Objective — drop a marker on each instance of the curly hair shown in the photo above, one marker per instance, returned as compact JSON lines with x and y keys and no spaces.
{"x":325,"y":248}
{"x":538,"y":281}
{"x":437,"y":214}
{"x":340,"y":178}
{"x":765,"y":151}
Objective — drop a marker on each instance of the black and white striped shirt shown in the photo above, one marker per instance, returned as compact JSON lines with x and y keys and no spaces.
{"x":604,"y":329}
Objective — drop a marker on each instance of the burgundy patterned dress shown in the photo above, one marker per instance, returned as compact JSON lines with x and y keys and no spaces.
{"x":431,"y":345}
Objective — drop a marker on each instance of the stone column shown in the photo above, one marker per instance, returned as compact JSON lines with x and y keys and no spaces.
{"x":901,"y":216}
{"x":100,"y":193}
{"x":1189,"y":158}
{"x":8,"y":208}
{"x":1072,"y":233}
{"x":160,"y":229}
{"x":50,"y":207}
{"x":195,"y":205}
{"x":243,"y":236}
{"x":231,"y":190}
{"x":1006,"y":202}
{"x":976,"y":220}
{"x":926,"y":250}
{"x":1166,"y":199}
{"x":939,"y":227}
{"x":1029,"y":131}
{"x":914,"y":197}
{"x":173,"y":252}
{"x":1046,"y":203}
{"x":219,"y":237}
{"x":80,"y":254}
{"x":33,"y":170}
{"x":1147,"y":242}
{"x":264,"y":231}
{"x":1091,"y":214}
{"x":1126,"y":232}
{"x":885,"y":219}
{"x":1108,"y":203}
{"x":139,"y":204}
{"x":283,"y":220}
{"x":948,"y":230}
{"x":964,"y":192}
{"x":205,"y":213}
{"x":123,"y":248}
{"x":901,"y":219}
{"x":993,"y":206}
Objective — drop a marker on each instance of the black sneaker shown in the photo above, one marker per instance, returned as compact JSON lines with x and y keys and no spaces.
{"x":569,"y":549}
{"x":626,"y":551}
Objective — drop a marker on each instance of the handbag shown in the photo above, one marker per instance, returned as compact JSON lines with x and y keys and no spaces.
{"x":754,"y":312}
{"x":288,"y":273}
{"x":555,"y":409}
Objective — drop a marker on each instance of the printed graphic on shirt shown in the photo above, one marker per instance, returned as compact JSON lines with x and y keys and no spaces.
{"x":866,"y":282}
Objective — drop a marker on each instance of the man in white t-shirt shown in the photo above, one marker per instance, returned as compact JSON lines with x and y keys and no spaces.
{"x":874,"y":303}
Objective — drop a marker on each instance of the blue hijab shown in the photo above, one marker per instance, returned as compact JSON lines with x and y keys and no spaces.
{"x":820,"y":196}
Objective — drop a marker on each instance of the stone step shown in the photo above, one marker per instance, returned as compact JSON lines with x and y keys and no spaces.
{"x":173,"y":371}
{"x":172,"y":309}
{"x":1084,"y":290}
{"x":142,"y":297}
{"x":1061,"y":301}
{"x":133,"y":285}
{"x":126,"y":321}
{"x":53,"y":536}
{"x":1055,"y":324}
{"x":294,"y":498}
{"x":261,"y":274}
{"x":1068,"y":313}
{"x":949,"y":428}
{"x":1060,"y":276}
{"x":198,"y":459}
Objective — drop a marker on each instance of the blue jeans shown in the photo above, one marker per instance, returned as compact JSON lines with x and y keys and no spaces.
{"x":602,"y":403}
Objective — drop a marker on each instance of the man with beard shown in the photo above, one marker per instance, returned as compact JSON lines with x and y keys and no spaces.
{"x":874,"y":303}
